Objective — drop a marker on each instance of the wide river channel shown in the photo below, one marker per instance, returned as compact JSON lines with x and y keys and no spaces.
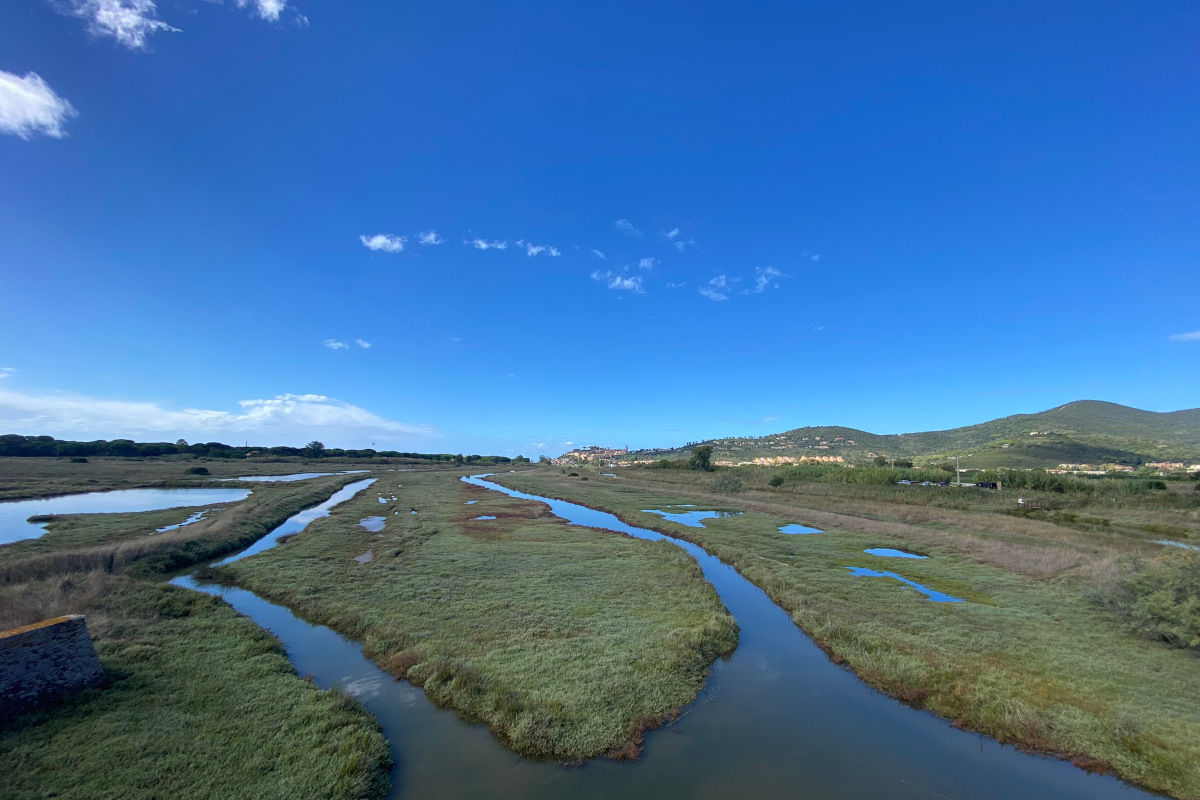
{"x":776,"y":719}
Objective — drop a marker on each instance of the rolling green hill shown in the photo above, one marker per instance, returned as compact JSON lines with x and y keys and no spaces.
{"x":1087,"y":431}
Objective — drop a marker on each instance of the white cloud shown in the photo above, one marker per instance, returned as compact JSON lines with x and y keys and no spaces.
{"x":614,"y":281}
{"x":537,"y":249}
{"x":764,"y":278}
{"x":284,"y":419}
{"x":127,"y":21}
{"x":674,"y":236}
{"x":334,"y":344}
{"x":7,"y":372}
{"x":429,"y":237}
{"x":456,"y":338}
{"x":647,"y":263}
{"x":715,"y":289}
{"x":1191,"y":336}
{"x":600,"y":255}
{"x":266,"y":9}
{"x":673,"y":285}
{"x":29,"y":107}
{"x":385,"y":242}
{"x":815,"y":257}
{"x":365,"y":345}
{"x":626,"y":227}
{"x":484,"y":244}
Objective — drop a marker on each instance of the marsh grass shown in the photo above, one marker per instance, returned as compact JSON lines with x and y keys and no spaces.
{"x":200,"y":702}
{"x":1032,"y":659}
{"x":567,"y":642}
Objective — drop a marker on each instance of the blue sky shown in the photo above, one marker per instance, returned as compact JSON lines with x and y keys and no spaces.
{"x":716,"y":219}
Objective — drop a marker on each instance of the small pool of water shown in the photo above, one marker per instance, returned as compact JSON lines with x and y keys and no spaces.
{"x":298,"y":476}
{"x":373,"y":524}
{"x":1170,"y":543}
{"x":199,"y":515}
{"x":692,"y":519}
{"x":798,"y":528}
{"x":887,"y":552}
{"x":472,"y":502}
{"x":937,"y":597}
{"x":483,"y":517}
{"x":14,"y":515}
{"x":383,"y":500}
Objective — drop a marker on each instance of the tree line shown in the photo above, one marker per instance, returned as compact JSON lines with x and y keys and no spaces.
{"x":14,"y":445}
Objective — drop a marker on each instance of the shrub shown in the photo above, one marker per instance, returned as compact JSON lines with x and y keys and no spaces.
{"x":776,"y":480}
{"x":1161,"y":597}
{"x":727,"y":484}
{"x":79,"y":460}
{"x":199,"y":471}
{"x":572,"y":474}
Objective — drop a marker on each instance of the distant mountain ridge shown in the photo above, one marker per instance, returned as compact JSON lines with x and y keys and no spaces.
{"x":1085,"y":431}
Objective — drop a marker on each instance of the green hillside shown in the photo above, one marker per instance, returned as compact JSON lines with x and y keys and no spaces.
{"x":1087,"y":431}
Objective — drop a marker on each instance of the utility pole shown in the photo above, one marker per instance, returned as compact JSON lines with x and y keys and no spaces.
{"x":957,"y":471}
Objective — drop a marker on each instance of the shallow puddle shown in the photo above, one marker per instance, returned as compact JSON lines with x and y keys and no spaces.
{"x":483,"y":517}
{"x":887,"y":552}
{"x":798,"y":528}
{"x":935,"y":596}
{"x":373,"y":524}
{"x":692,"y":519}
{"x":199,"y":515}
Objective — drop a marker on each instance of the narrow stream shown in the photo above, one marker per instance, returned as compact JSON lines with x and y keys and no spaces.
{"x":777,"y":719}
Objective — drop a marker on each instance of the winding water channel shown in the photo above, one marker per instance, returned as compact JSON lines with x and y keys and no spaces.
{"x":777,"y":719}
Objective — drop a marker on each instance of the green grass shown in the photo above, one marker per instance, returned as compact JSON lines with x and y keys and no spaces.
{"x":567,"y":642}
{"x":201,"y":702}
{"x":1031,"y":659}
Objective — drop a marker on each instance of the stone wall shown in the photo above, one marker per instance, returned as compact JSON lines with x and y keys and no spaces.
{"x":45,"y":663}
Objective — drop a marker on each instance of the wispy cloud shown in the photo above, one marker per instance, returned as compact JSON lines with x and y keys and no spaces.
{"x":484,"y":244}
{"x":127,"y":21}
{"x":364,"y":344}
{"x":28,"y":107}
{"x":764,"y":278}
{"x":1191,"y":336}
{"x":429,"y":237}
{"x":7,"y":372}
{"x":600,"y":255}
{"x":537,"y":249}
{"x":614,"y":280}
{"x":384,"y":242}
{"x":716,"y":288}
{"x":283,"y":419}
{"x":675,"y":237}
{"x":626,"y":227}
{"x":674,"y":285}
{"x":647,"y":263}
{"x":265,"y":9}
{"x":807,"y":256}
{"x":334,"y":344}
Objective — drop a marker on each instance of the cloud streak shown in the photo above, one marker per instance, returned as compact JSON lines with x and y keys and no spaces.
{"x":628,"y":228}
{"x":619,"y":282}
{"x":429,"y":237}
{"x":334,"y":344}
{"x":130,"y":22}
{"x":384,"y":242}
{"x":29,"y":107}
{"x":537,"y":249}
{"x":283,"y":419}
{"x":484,"y":244}
{"x":7,"y":372}
{"x":268,"y":10}
{"x":716,"y":289}
{"x":1190,"y":336}
{"x":764,"y":278}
